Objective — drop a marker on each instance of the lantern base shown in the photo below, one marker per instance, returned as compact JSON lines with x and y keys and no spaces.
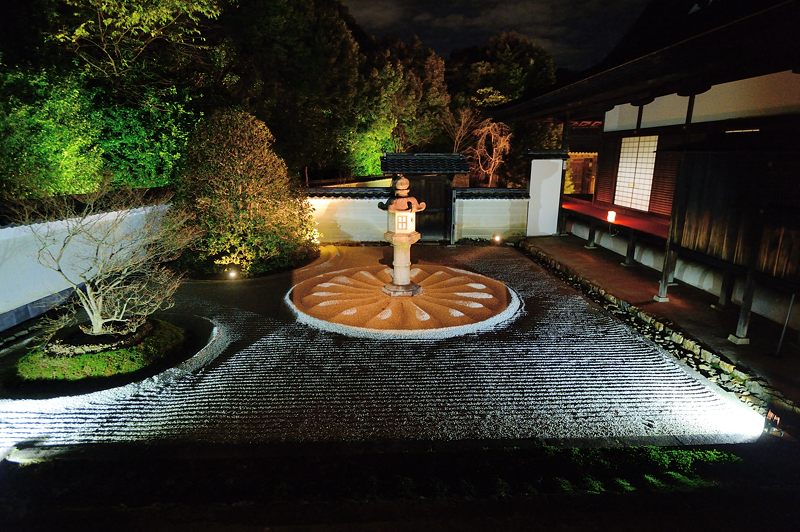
{"x":401,"y":238}
{"x":354,"y":301}
{"x":407,"y":290}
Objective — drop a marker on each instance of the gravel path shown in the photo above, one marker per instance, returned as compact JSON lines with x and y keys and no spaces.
{"x":564,"y":369}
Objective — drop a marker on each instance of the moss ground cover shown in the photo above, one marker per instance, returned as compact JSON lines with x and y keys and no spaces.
{"x":38,"y":365}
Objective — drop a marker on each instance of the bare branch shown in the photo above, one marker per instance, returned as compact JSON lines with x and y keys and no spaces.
{"x":112,"y":256}
{"x":493,"y":143}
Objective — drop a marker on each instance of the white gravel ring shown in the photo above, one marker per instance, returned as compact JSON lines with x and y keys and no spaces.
{"x":509,"y":314}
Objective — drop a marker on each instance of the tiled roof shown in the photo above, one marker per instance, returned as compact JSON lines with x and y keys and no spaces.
{"x":491,"y":193}
{"x":424,"y":163}
{"x":350,"y":192}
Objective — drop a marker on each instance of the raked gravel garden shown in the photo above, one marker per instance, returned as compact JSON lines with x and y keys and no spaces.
{"x":561,"y":369}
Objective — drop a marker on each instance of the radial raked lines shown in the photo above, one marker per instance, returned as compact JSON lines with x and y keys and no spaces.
{"x":426,"y":301}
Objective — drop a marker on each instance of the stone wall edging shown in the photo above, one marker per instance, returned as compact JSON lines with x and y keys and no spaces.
{"x":751,"y":389}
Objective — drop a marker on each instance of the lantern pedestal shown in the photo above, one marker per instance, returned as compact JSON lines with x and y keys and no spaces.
{"x":401,"y":284}
{"x":401,"y":224}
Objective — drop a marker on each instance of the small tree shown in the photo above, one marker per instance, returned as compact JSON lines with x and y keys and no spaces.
{"x":113,"y":257}
{"x":493,"y":142}
{"x":250,"y":212}
{"x":459,"y":127}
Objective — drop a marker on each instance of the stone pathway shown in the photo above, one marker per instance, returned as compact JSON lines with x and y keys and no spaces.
{"x":564,"y":369}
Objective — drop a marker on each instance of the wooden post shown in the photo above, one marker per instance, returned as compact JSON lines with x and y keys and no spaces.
{"x":666,"y":275}
{"x":673,"y":261}
{"x":726,"y":290}
{"x":452,"y":215}
{"x":561,"y":225}
{"x":740,"y":336}
{"x":630,"y":253}
{"x":590,"y":243}
{"x":785,"y":325}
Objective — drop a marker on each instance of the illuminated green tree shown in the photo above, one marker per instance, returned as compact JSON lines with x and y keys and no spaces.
{"x":142,"y":145}
{"x":374,"y":134}
{"x":114,"y":38}
{"x":403,"y":103}
{"x":50,"y":136}
{"x":61,"y":137}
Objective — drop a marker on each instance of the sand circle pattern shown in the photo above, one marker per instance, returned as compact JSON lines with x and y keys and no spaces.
{"x":452,"y":302}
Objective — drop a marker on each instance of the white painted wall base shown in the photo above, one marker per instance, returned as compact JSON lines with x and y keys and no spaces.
{"x":345,"y":219}
{"x":349,"y":219}
{"x":485,"y":218}
{"x":766,"y":302}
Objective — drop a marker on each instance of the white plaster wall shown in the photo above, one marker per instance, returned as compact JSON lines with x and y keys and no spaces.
{"x":484,"y":218}
{"x":621,"y":117}
{"x":24,"y":280}
{"x":665,"y":111}
{"x":545,"y":196}
{"x":772,"y":94}
{"x":766,"y":302}
{"x":349,"y":219}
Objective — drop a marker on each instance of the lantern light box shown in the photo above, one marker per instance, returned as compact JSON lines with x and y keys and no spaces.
{"x":401,"y":222}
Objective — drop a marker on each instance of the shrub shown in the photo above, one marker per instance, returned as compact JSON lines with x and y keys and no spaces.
{"x":142,"y":145}
{"x":50,"y":135}
{"x":41,"y":365}
{"x":59,"y":136}
{"x":249,"y":210}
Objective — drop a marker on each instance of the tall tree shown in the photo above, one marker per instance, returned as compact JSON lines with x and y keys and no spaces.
{"x":117,"y":39}
{"x":295,"y":66}
{"x":509,"y":66}
{"x":504,"y":69}
{"x":374,"y":133}
{"x":424,"y":98}
{"x":403,"y":103}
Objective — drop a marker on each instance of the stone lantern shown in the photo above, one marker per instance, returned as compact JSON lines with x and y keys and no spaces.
{"x":401,"y":232}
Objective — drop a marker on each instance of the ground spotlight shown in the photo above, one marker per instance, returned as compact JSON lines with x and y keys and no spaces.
{"x":497,"y":239}
{"x":233,"y":274}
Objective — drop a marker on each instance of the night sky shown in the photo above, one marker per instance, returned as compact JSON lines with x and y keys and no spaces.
{"x":578,"y":33}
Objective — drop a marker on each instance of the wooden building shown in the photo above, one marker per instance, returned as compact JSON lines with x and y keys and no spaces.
{"x":698,"y":154}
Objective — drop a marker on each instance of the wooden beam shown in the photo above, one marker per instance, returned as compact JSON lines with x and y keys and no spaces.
{"x":785,"y":325}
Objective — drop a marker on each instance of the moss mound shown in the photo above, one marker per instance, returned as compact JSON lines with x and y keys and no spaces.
{"x":39,"y":365}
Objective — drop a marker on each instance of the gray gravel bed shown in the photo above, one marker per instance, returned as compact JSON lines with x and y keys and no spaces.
{"x":564,"y":369}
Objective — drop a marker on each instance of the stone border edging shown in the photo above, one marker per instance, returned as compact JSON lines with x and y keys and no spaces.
{"x":751,"y":389}
{"x":509,"y":314}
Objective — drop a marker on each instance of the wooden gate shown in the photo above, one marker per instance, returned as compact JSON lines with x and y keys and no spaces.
{"x":434,"y":223}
